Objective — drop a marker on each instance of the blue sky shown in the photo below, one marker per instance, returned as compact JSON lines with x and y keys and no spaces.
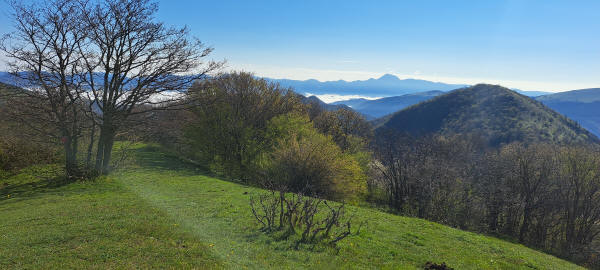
{"x":531,"y":45}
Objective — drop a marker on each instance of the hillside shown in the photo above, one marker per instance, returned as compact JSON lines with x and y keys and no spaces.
{"x":384,"y":106}
{"x":583,"y":106}
{"x":7,"y":89}
{"x":496,"y":113}
{"x":161,"y":213}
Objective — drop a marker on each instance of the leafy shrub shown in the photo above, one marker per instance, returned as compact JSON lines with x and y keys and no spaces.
{"x":232,"y":112}
{"x":305,"y":160}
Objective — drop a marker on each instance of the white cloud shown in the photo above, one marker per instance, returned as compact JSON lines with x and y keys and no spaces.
{"x":329,"y":98}
{"x":165,"y":96}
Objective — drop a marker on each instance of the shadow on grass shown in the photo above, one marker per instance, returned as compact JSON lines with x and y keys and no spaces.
{"x":153,"y":157}
{"x":28,"y":189}
{"x":47,"y":178}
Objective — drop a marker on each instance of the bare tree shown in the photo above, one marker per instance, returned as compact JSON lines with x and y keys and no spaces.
{"x":135,"y":64}
{"x":107,"y":61}
{"x":45,"y":60}
{"x":580,"y":196}
{"x":392,"y":166}
{"x":531,"y":170}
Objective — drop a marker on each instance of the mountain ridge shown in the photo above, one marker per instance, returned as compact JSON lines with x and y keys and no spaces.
{"x":386,"y":85}
{"x":497,"y":114}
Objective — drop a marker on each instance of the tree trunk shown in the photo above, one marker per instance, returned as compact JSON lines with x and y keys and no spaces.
{"x":525,"y":224}
{"x":70,"y":146}
{"x":493,"y":219}
{"x":281,"y":199}
{"x":100,"y":150}
{"x":88,"y":160}
{"x":109,"y":141}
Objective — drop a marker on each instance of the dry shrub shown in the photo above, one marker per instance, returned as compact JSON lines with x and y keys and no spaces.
{"x":314,"y":219}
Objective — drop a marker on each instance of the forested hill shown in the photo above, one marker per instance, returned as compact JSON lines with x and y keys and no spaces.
{"x":6,"y":90}
{"x":493,"y":112}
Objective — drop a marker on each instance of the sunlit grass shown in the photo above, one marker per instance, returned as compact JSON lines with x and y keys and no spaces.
{"x":162,"y":213}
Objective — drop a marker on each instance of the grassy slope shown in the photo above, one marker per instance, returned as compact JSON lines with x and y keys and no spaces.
{"x":162,"y":214}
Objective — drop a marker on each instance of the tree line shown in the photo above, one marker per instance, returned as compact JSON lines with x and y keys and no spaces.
{"x":257,"y":132}
{"x":545,"y":196}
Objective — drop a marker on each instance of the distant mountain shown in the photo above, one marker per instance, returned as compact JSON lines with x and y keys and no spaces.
{"x":582,"y":106}
{"x":496,"y":113}
{"x":8,"y":79}
{"x":531,"y":93}
{"x":583,"y":95}
{"x":386,"y":85}
{"x":383,"y":106}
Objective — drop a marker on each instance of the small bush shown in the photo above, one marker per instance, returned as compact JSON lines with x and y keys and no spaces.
{"x":265,"y":208}
{"x":435,"y":266}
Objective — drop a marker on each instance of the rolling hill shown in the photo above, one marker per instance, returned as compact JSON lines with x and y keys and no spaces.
{"x":583,"y":106}
{"x":161,"y":213}
{"x":384,"y":106}
{"x":496,"y":113}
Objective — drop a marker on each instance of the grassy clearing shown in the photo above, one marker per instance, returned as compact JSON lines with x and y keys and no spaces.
{"x":45,"y":224}
{"x":160,"y":213}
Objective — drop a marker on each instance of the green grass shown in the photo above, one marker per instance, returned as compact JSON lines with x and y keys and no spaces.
{"x":160,"y":213}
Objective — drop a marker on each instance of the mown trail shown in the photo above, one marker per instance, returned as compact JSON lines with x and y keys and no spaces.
{"x":217,"y":212}
{"x":161,"y":213}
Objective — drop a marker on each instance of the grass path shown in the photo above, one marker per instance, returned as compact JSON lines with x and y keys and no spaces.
{"x":160,"y":213}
